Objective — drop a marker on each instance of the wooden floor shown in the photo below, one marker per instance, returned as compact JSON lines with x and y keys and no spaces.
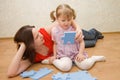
{"x":108,"y":70}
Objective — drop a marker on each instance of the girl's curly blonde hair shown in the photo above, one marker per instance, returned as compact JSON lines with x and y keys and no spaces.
{"x":63,"y":9}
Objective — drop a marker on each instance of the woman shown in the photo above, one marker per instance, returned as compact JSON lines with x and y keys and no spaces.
{"x":33,"y":46}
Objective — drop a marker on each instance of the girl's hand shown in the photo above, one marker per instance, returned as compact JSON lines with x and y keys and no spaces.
{"x":80,"y":57}
{"x":79,"y":36}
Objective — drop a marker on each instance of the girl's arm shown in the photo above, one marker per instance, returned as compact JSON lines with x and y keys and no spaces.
{"x":18,"y":65}
{"x":80,"y":56}
{"x":54,"y":50}
{"x":54,"y":54}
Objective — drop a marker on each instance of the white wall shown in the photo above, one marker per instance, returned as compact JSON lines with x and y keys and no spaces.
{"x":103,"y":15}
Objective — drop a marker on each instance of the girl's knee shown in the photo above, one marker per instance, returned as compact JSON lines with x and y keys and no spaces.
{"x":65,"y":67}
{"x":63,"y":64}
{"x":85,"y":65}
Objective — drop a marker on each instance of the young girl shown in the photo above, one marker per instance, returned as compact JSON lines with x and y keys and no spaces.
{"x":64,"y":54}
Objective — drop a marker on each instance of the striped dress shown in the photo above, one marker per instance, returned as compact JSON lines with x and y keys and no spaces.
{"x":64,"y":50}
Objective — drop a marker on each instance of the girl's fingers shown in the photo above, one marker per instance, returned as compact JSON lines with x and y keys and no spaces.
{"x":80,"y":59}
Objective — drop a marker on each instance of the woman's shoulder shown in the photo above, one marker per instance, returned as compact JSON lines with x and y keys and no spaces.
{"x":44,"y":32}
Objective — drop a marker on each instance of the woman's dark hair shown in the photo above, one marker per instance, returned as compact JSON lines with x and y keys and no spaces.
{"x":24,"y":34}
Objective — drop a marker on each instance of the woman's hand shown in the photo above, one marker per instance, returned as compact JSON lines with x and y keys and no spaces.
{"x":79,"y":36}
{"x":21,"y":44}
{"x":80,"y":57}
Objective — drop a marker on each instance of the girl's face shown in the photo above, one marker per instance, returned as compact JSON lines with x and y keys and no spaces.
{"x":64,"y":22}
{"x":38,"y":38}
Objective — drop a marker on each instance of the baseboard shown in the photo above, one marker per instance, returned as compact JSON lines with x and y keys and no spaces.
{"x":102,"y":33}
{"x":110,"y":32}
{"x":6,"y":38}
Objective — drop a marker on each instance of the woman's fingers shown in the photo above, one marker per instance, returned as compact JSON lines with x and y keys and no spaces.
{"x":78,"y":36}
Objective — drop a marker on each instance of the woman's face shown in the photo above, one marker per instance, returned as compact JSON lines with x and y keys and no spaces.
{"x":38,"y":38}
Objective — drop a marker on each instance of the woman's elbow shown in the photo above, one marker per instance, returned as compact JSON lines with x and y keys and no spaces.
{"x":11,"y":74}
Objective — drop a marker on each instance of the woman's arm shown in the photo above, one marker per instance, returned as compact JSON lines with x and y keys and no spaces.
{"x":75,"y":25}
{"x":49,"y":28}
{"x":18,"y":65}
{"x":79,"y":35}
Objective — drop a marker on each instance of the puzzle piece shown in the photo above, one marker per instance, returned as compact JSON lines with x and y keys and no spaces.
{"x":35,"y":75}
{"x":69,"y":37}
{"x":80,"y":75}
{"x":60,"y":76}
{"x":41,"y":73}
{"x":27,"y":73}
